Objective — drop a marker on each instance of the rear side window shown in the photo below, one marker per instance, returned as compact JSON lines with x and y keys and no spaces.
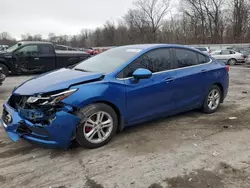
{"x":225,"y":52}
{"x":156,"y":61}
{"x":186,"y":58}
{"x":203,"y":59}
{"x":46,"y":49}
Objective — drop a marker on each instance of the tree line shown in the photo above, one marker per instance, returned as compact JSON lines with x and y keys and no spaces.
{"x":152,"y":21}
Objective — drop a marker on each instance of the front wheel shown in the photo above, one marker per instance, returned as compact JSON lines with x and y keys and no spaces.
{"x":5,"y":69}
{"x":212,"y":100}
{"x":98,"y":125}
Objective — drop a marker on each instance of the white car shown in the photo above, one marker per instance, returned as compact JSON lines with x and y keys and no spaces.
{"x":204,"y":49}
{"x":229,"y":57}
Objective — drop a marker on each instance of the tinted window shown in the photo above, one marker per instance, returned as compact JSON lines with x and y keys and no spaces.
{"x":46,"y":49}
{"x":203,"y":59}
{"x":186,"y":58}
{"x":155,"y":60}
{"x":28,"y":50}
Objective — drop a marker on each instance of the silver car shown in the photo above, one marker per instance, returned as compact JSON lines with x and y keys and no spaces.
{"x":229,"y":57}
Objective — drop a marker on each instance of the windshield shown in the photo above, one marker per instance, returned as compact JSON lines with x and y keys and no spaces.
{"x":12,"y":48}
{"x":109,"y":60}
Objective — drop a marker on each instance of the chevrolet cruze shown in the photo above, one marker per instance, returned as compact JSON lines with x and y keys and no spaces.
{"x":121,"y":87}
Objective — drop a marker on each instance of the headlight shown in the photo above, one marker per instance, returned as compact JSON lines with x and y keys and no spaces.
{"x":52,"y":99}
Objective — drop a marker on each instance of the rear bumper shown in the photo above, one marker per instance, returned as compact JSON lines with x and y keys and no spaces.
{"x":57,"y":134}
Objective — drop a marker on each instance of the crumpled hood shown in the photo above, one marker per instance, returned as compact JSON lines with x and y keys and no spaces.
{"x":56,"y":80}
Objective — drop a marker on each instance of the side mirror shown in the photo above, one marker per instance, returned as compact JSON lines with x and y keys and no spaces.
{"x":142,"y":74}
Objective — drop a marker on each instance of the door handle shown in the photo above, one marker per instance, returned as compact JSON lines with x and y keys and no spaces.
{"x":203,"y":70}
{"x":36,"y":58}
{"x":170,"y":79}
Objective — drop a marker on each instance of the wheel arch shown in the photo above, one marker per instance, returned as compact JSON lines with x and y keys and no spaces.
{"x":4,"y":63}
{"x":117,"y":111}
{"x":221,"y":89}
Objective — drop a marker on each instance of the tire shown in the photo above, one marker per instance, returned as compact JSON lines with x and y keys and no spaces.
{"x":89,"y":122}
{"x":232,"y":62}
{"x":207,"y":108}
{"x":5,"y":69}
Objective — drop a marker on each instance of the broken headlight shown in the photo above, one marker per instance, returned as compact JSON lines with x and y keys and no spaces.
{"x":50,"y":100}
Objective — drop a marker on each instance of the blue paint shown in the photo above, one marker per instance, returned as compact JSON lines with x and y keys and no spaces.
{"x":137,"y":100}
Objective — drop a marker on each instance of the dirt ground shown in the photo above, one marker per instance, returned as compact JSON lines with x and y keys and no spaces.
{"x":190,"y":150}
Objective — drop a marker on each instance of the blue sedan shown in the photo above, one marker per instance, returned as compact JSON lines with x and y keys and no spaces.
{"x":121,"y":87}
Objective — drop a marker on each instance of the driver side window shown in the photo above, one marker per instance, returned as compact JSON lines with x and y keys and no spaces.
{"x":31,"y":50}
{"x":156,"y":60}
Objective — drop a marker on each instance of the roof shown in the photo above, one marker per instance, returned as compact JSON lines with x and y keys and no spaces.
{"x":151,"y":46}
{"x":34,"y":42}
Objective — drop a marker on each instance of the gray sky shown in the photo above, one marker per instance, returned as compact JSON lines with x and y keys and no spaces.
{"x":59,"y":16}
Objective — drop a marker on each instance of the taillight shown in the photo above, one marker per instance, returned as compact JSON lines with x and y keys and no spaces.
{"x":227,"y":68}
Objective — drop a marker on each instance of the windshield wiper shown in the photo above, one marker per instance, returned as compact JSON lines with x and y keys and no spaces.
{"x":83,"y":70}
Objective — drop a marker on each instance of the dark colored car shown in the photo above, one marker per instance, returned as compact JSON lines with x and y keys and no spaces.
{"x":118,"y":88}
{"x":37,"y":57}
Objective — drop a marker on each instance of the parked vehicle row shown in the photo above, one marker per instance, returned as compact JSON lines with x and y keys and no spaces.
{"x":121,"y":87}
{"x":37,"y":57}
{"x":230,"y":57}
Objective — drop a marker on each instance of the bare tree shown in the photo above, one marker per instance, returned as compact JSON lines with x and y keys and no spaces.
{"x":240,"y":17}
{"x":154,"y":11}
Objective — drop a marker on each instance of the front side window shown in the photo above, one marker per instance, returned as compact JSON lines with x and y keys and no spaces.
{"x":30,"y":50}
{"x":156,"y":61}
{"x":186,"y":58}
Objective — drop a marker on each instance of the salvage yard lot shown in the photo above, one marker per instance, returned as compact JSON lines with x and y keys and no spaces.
{"x":187,"y":150}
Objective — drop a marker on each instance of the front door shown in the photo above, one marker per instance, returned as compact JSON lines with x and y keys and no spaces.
{"x":26,"y":59}
{"x":147,"y":98}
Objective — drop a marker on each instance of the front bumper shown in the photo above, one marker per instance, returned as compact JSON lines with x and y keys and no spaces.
{"x":57,"y":134}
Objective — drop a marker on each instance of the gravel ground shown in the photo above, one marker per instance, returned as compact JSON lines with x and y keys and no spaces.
{"x":189,"y":150}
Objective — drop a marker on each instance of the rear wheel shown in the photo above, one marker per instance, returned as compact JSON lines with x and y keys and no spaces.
{"x":213,"y":99}
{"x":98,"y":125}
{"x":232,"y":62}
{"x":5,"y":69}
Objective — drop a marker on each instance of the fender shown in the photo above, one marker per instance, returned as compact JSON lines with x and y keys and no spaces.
{"x":5,"y":62}
{"x":101,"y":92}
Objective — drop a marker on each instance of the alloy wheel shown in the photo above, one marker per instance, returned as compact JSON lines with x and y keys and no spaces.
{"x":98,"y":127}
{"x":213,"y":99}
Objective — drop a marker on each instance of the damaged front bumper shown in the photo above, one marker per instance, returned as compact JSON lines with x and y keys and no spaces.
{"x":57,"y":134}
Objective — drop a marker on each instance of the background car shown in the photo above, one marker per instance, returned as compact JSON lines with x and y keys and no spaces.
{"x":229,"y":57}
{"x":204,"y":49}
{"x":244,"y":51}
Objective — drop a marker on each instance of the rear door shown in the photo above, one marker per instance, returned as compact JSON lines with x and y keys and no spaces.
{"x":150,"y":97}
{"x":46,"y":59}
{"x":191,"y":78}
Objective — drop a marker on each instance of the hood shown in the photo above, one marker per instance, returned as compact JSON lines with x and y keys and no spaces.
{"x":56,"y":80}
